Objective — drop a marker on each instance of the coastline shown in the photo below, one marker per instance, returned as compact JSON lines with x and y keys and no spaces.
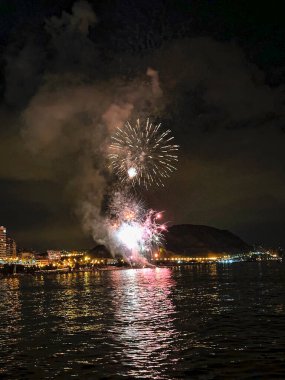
{"x":119,"y":268}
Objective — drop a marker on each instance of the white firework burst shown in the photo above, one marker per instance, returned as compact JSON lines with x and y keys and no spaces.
{"x":143,"y":154}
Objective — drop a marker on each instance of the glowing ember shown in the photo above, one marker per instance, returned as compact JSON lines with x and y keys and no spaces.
{"x":132,"y":172}
{"x":130,"y":235}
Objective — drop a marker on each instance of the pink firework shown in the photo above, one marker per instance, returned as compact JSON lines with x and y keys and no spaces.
{"x":136,"y":230}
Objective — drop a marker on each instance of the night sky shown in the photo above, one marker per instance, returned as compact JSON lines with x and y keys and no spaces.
{"x":71,"y":71}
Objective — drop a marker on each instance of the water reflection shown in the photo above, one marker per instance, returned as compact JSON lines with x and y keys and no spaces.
{"x":194,"y":322}
{"x":144,"y":318}
{"x":11,"y":326}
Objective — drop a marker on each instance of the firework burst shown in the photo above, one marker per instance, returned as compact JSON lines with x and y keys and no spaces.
{"x":143,"y":154}
{"x":136,"y":230}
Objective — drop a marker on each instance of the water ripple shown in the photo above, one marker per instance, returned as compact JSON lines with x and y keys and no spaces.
{"x":198,"y":322}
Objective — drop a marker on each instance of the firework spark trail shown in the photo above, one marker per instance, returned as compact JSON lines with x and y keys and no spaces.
{"x":133,"y":229}
{"x":124,"y":206}
{"x":142,"y":154}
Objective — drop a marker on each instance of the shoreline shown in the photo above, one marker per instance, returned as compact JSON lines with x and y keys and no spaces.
{"x":114,"y":268}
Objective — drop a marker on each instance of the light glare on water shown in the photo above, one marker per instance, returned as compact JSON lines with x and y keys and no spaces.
{"x":197,"y":322}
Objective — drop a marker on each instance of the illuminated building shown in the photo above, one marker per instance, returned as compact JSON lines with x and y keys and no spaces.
{"x":11,"y":248}
{"x":42,"y":262}
{"x":73,"y":253}
{"x":27,"y":255}
{"x":111,"y":261}
{"x":54,"y":255}
{"x":3,"y":238}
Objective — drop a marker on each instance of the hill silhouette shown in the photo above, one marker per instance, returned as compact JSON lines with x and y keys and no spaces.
{"x":199,"y":240}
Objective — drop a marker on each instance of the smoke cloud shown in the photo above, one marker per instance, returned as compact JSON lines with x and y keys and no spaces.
{"x":72,"y":92}
{"x":69,"y":121}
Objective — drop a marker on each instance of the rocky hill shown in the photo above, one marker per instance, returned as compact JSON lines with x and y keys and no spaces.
{"x":100,"y":251}
{"x":197,"y":240}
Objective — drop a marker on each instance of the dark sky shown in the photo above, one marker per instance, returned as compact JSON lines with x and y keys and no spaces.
{"x":71,"y":71}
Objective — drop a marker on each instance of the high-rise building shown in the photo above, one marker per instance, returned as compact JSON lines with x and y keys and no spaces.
{"x":2,"y":242}
{"x":11,"y":248}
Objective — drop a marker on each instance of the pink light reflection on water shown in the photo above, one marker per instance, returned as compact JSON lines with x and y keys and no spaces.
{"x":144,"y":320}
